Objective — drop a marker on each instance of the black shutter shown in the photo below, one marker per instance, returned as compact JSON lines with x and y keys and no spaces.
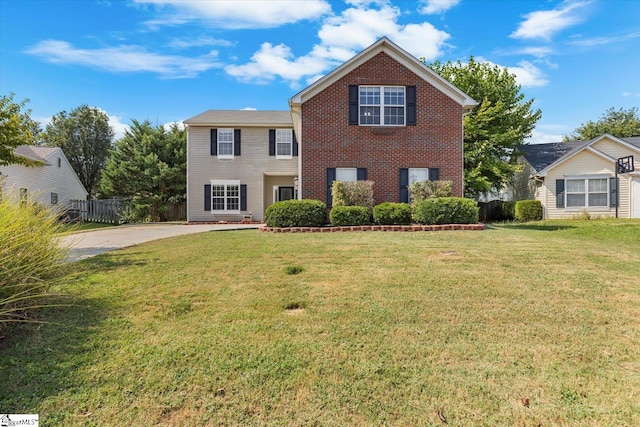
{"x":404,"y":185}
{"x":331,"y":176}
{"x":411,"y":105}
{"x":243,"y":197}
{"x":613,"y":192}
{"x":207,"y":197}
{"x":434,"y":174}
{"x":236,"y":142}
{"x":559,"y":193}
{"x":214,"y":142}
{"x":353,"y":104}
{"x":295,"y":144}
{"x":272,"y":142}
{"x":361,"y":174}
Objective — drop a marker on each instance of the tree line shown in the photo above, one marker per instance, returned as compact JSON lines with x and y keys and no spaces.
{"x":148,"y":164}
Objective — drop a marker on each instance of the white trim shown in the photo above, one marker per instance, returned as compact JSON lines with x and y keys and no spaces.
{"x":403,"y":57}
{"x":586,"y":179}
{"x":382,"y":105}
{"x":226,"y":183}
{"x":225,"y":156}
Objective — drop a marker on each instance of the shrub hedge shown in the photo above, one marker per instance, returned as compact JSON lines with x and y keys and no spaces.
{"x":352,"y":193}
{"x":350,"y":215}
{"x":528,"y":210}
{"x":389,"y":213}
{"x":296,"y":213}
{"x":446,"y":210}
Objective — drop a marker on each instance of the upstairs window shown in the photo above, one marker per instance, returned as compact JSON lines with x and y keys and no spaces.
{"x":381,"y":105}
{"x":225,"y":143}
{"x":284,"y":141}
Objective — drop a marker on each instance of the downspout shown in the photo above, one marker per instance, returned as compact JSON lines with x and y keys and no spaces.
{"x":188,"y":199}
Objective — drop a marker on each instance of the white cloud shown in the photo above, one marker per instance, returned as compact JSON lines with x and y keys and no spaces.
{"x":235,"y":14}
{"x":123,"y":59}
{"x":431,"y":7}
{"x":544,"y":134}
{"x":167,"y":126}
{"x":341,"y":37}
{"x":119,"y":128}
{"x":528,"y":75}
{"x":631,"y":94}
{"x":602,"y":41}
{"x":545,"y":23}
{"x":198,"y":42}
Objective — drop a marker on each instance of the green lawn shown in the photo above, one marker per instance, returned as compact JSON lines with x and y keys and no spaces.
{"x":375,"y":328}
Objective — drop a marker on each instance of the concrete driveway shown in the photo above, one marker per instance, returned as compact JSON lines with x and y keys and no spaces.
{"x":91,"y":243}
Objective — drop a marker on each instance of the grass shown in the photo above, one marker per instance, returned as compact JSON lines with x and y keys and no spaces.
{"x":375,"y":329}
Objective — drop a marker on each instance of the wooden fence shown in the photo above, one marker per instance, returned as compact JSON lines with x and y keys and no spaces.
{"x":109,"y":211}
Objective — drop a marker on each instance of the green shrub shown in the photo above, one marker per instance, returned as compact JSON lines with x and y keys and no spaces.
{"x":528,"y":210}
{"x":30,"y":257}
{"x":507,"y":211}
{"x":392,"y":214}
{"x":446,"y":210}
{"x":356,"y":193}
{"x":422,"y":190}
{"x":296,"y":213}
{"x":350,"y":215}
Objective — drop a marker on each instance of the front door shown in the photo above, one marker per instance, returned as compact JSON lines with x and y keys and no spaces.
{"x":635,"y":198}
{"x":285,"y":193}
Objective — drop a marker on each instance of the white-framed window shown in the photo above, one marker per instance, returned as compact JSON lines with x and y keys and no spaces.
{"x":225,"y":143}
{"x":587,"y":192}
{"x":225,"y":196}
{"x":284,"y":143}
{"x":418,"y":175}
{"x":382,"y":105}
{"x":346,"y":174}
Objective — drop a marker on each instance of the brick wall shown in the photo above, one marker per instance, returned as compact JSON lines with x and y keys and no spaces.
{"x":330,"y":142}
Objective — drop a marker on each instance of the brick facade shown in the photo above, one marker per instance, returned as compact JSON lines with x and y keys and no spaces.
{"x":330,"y":142}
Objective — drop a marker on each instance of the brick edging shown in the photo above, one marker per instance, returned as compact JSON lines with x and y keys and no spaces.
{"x":329,"y":229}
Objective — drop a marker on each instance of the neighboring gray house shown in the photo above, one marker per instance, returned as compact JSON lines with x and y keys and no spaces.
{"x":239,"y":152}
{"x":571,"y":178}
{"x":50,"y":182}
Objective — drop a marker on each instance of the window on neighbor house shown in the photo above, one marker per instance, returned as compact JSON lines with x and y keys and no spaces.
{"x":225,"y":143}
{"x":587,"y":192}
{"x":346,"y":174}
{"x":59,"y":162}
{"x":225,"y":196}
{"x":418,"y":175}
{"x":382,"y":105}
{"x":54,"y":198}
{"x":284,"y":141}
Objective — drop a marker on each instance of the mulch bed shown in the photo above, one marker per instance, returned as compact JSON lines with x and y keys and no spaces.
{"x":374,"y":228}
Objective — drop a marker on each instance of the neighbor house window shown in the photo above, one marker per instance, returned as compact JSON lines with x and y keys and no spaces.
{"x":225,"y":143}
{"x":346,"y":174}
{"x":225,"y":196}
{"x":382,"y":105}
{"x":54,"y":198}
{"x":284,"y":141}
{"x":587,"y":192}
{"x":418,"y":175}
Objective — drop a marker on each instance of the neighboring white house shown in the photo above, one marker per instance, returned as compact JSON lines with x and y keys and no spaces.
{"x":52,"y":181}
{"x":572,"y":178}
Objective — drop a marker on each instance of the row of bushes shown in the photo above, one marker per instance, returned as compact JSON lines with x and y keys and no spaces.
{"x":312,"y":213}
{"x":521,"y":211}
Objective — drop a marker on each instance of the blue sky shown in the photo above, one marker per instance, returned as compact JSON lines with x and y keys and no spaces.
{"x":168,"y":60}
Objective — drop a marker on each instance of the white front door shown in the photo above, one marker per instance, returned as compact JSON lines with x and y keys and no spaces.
{"x":635,"y":198}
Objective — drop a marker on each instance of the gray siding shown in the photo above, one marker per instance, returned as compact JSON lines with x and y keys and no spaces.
{"x":250,"y":168}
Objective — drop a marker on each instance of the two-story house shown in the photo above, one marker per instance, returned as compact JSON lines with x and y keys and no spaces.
{"x":381,"y":116}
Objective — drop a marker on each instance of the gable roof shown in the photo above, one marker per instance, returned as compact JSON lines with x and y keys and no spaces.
{"x":245,"y":118}
{"x":34,"y":152}
{"x":544,"y":157}
{"x":387,"y":46}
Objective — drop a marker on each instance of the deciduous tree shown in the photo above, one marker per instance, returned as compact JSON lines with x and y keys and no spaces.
{"x":621,"y":123}
{"x":85,"y":137}
{"x":16,"y":128}
{"x":496,"y":126}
